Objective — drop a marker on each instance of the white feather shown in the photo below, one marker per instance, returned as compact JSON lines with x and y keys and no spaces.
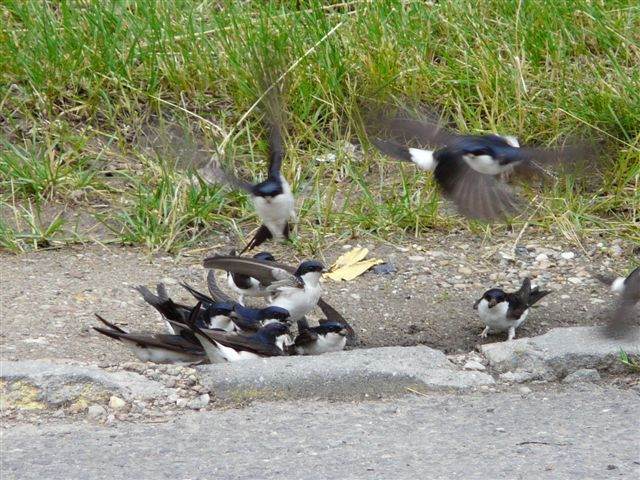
{"x":331,"y":342}
{"x":617,"y":285}
{"x":159,"y":355}
{"x":423,"y":159}
{"x":496,"y":317}
{"x":299,"y":301}
{"x":276,"y":211}
{"x":485,"y":164}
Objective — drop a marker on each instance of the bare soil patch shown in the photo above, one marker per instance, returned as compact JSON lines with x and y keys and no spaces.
{"x":48,"y":297}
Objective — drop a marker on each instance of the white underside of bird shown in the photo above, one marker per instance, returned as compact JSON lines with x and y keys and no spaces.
{"x":232,"y":355}
{"x":159,"y":355}
{"x":331,"y":342}
{"x":495,"y":318}
{"x":275,"y":212}
{"x":299,"y":301}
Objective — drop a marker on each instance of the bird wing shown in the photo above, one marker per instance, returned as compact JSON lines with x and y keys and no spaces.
{"x":334,"y":316}
{"x":264,"y":271}
{"x":519,"y":301}
{"x":404,"y":127}
{"x":305,"y":337}
{"x":176,"y":343}
{"x":624,"y":316}
{"x":216,"y":293}
{"x":476,"y":195}
{"x":239,"y":342}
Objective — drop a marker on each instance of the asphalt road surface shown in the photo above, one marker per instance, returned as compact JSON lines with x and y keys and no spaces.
{"x":556,"y":432}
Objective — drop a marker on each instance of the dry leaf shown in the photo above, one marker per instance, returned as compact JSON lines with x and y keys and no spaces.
{"x":351,"y":265}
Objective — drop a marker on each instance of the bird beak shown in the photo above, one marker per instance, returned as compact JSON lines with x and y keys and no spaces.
{"x":475,"y":305}
{"x":343,"y":332}
{"x":492,"y":303}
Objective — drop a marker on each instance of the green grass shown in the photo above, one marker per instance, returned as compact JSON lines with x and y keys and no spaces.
{"x":85,"y":85}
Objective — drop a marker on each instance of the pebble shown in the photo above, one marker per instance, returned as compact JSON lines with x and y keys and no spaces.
{"x":182,"y":402}
{"x":169,"y":281}
{"x":474,"y":365}
{"x":116,"y":402}
{"x":199,"y":402}
{"x":417,"y":258}
{"x":582,"y":375}
{"x":465,"y":271}
{"x":524,"y":390}
{"x":574,"y":280}
{"x":384,"y":269}
{"x":616,"y":251}
{"x":567,"y":255}
{"x":95,"y":411}
{"x":542,"y":257}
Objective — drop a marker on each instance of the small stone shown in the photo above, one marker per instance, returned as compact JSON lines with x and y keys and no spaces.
{"x":616,"y":251}
{"x":500,"y":430}
{"x":542,"y":257}
{"x":524,"y":390}
{"x":474,"y":365}
{"x":465,"y":271}
{"x":384,"y":269}
{"x":79,"y":406}
{"x":182,"y":402}
{"x":116,"y":402}
{"x":567,"y":255}
{"x":522,"y":251}
{"x":518,"y":377}
{"x":199,"y":402}
{"x":583,"y":375}
{"x":459,"y":286}
{"x":95,"y":411}
{"x":169,"y":281}
{"x":417,"y":258}
{"x":574,"y":280}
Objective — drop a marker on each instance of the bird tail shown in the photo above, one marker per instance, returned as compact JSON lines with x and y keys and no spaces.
{"x":161,"y":303}
{"x":537,"y":295}
{"x":201,"y":297}
{"x":113,"y":331}
{"x":112,"y":326}
{"x":393,"y":150}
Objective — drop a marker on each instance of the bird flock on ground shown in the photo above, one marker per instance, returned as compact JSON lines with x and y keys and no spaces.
{"x":470,"y":171}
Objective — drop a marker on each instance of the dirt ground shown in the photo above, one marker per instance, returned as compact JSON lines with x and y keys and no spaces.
{"x":48,"y":298}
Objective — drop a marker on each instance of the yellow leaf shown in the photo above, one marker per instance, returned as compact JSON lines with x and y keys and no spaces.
{"x":351,"y":265}
{"x":352,"y":256}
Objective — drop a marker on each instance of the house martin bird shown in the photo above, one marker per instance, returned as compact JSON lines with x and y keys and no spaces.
{"x":501,"y":311}
{"x":331,"y":314}
{"x":246,"y":286}
{"x":214,"y":316}
{"x":246,"y":319}
{"x":268,"y":341}
{"x":297,"y":292}
{"x":329,"y":336}
{"x":272,"y":198}
{"x":467,"y":167}
{"x":155,"y":347}
{"x":622,"y":319}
